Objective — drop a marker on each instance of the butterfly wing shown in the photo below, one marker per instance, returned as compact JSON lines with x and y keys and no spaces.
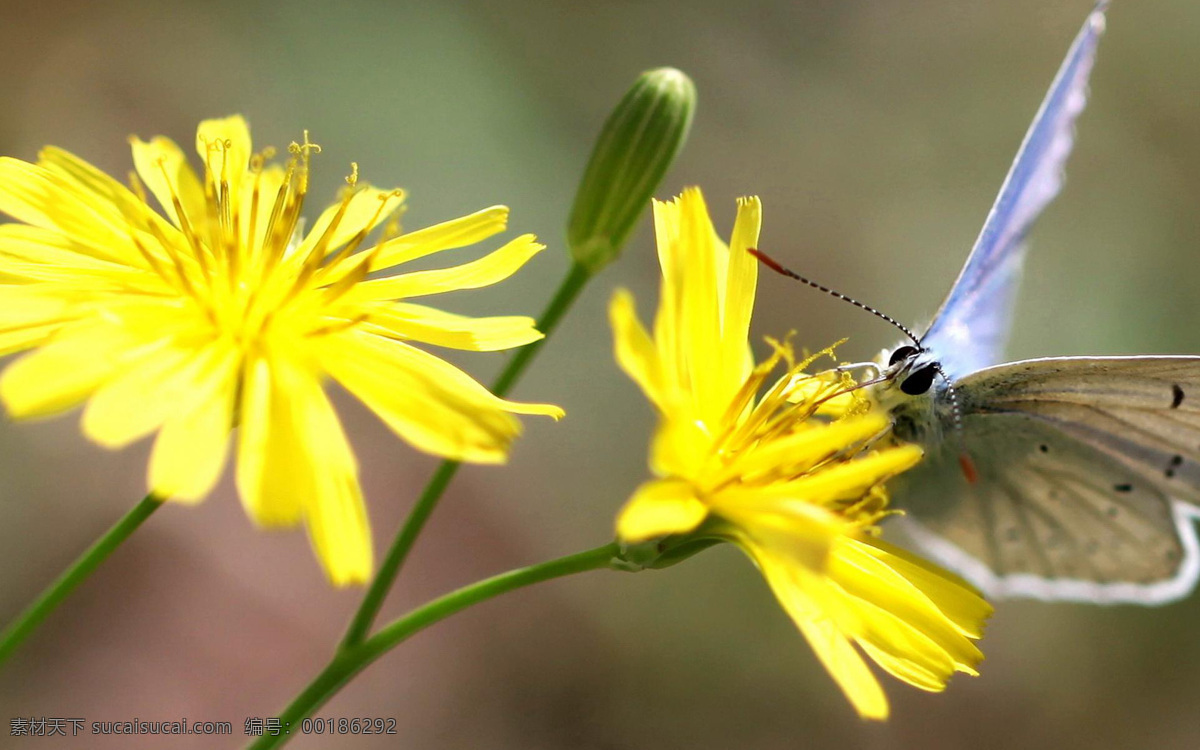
{"x":971,"y":328}
{"x":1089,"y":472}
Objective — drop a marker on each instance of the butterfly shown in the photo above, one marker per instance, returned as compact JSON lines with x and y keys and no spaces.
{"x":1064,"y":478}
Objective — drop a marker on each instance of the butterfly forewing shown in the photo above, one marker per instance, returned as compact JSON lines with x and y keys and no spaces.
{"x":1134,"y":411}
{"x":971,"y":328}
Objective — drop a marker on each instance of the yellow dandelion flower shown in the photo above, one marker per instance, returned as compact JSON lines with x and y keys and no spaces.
{"x":800,"y":494}
{"x":220,"y":311}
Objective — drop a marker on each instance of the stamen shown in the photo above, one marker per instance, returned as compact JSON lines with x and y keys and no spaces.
{"x":352,"y":278}
{"x":229,"y":212}
{"x":298,"y":167}
{"x":257,"y":161}
{"x":212,"y":195}
{"x":304,"y":151}
{"x":135,"y":185}
{"x":392,"y":229}
{"x":273,"y":249}
{"x":184,"y":225}
{"x":317,"y":253}
{"x":361,"y":236}
{"x":184,"y":282}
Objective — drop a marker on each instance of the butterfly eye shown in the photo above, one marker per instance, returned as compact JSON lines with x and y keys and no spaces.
{"x":920,"y":381}
{"x":901,"y":353}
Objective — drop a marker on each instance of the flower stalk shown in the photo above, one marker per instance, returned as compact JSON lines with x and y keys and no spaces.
{"x":352,"y":659}
{"x":26,"y":622}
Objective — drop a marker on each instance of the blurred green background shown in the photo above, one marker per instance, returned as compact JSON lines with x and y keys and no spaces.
{"x":877,"y":135}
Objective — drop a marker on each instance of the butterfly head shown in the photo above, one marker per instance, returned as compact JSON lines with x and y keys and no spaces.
{"x":912,"y":369}
{"x":914,"y":390}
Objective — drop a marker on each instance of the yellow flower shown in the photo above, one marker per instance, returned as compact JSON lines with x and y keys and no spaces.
{"x":800,"y":494}
{"x":225,"y":313}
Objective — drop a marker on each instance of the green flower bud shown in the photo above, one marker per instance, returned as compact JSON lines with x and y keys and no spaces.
{"x":637,"y":145}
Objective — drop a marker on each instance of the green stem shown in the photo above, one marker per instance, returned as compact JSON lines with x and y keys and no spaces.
{"x":27,"y":621}
{"x":373,"y":600}
{"x":350,"y":660}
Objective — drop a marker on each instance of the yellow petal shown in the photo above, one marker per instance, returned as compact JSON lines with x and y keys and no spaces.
{"x":25,"y":338}
{"x":66,"y":371}
{"x":22,"y":307}
{"x":35,"y":195}
{"x":294,"y":461}
{"x":797,"y":540}
{"x":737,"y":280}
{"x":666,"y":317}
{"x":700,"y":329}
{"x":791,"y":455}
{"x":407,"y":321}
{"x":847,"y":668}
{"x":113,"y":198}
{"x":191,"y":447}
{"x":448,"y":235}
{"x":432,"y":404}
{"x":660,"y":508}
{"x":164,"y":170}
{"x":635,"y":352}
{"x":490,"y":269}
{"x":849,"y":480}
{"x":896,"y":616}
{"x":917,"y":674}
{"x":741,"y":277}
{"x":814,"y":607}
{"x":681,"y":444}
{"x":335,"y":513}
{"x":270,"y":484}
{"x":62,"y":258}
{"x":139,"y":399}
{"x":954,"y":597}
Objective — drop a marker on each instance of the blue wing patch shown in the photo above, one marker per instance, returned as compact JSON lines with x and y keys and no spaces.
{"x":971,"y":328}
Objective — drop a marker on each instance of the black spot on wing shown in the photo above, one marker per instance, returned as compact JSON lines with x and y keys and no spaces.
{"x":1176,"y":396}
{"x":1044,"y":448}
{"x":1175,"y":461}
{"x":1123,"y":487}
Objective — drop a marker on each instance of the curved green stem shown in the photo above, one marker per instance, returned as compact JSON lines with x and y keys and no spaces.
{"x":27,"y":621}
{"x":352,"y":659}
{"x":373,"y":600}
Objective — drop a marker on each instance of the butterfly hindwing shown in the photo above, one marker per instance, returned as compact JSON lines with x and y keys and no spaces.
{"x":1048,"y":517}
{"x":971,"y":328}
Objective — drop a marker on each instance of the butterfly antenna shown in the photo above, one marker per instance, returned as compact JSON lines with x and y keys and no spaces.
{"x":964,"y":457}
{"x":775,"y":266}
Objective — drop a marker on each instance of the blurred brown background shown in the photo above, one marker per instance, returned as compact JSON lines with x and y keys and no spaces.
{"x":876,"y":133}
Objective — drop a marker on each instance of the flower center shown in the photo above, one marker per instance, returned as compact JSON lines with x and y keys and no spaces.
{"x":240,"y":260}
